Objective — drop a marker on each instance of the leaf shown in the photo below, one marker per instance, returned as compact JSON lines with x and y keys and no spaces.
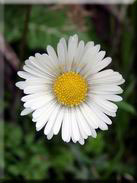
{"x":127,"y":107}
{"x":13,"y":135}
{"x":95,"y":146}
{"x":127,"y":49}
{"x":45,"y":26}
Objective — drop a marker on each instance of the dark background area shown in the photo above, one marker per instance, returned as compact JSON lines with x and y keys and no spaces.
{"x":28,"y":154}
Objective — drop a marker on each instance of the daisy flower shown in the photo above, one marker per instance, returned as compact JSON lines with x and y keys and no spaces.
{"x":69,"y":91}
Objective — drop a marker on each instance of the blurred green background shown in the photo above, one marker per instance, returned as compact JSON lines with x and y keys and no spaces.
{"x":28,"y":154}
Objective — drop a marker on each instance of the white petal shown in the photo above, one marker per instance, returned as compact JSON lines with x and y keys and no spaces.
{"x":72,"y":46}
{"x":50,"y":68}
{"x":106,"y":88}
{"x":37,"y":88}
{"x":52,"y":54}
{"x":81,"y":141}
{"x":50,"y":135}
{"x":24,"y":75}
{"x":102,"y":108}
{"x":58,"y":122}
{"x":36,"y":65}
{"x":90,"y":119}
{"x":65,"y":52}
{"x":81,"y":129}
{"x":26,"y":111}
{"x":101,"y":65}
{"x":38,"y":102}
{"x":66,"y":126}
{"x":39,"y":80}
{"x":35,"y":72}
{"x":41,"y":111}
{"x":103,"y":126}
{"x":33,"y":96}
{"x":45,"y":61}
{"x":90,"y":59}
{"x":69,"y":127}
{"x":73,"y":140}
{"x":90,"y":55}
{"x":61,"y":54}
{"x":100,"y":114}
{"x":28,"y":84}
{"x":34,"y":99}
{"x":41,"y":122}
{"x":21,"y":85}
{"x":100,"y":55}
{"x":114,"y":98}
{"x":75,"y":129}
{"x":106,"y":104}
{"x":96,"y":67}
{"x":52,"y":120}
{"x":120,"y":82}
{"x":83,"y":122}
{"x":99,"y":122}
{"x":93,"y":133}
{"x":89,"y":46}
{"x":29,"y":77}
{"x":46,"y":82}
{"x":78,"y":55}
{"x":113,"y":78}
{"x":97,"y":92}
{"x":104,"y":73}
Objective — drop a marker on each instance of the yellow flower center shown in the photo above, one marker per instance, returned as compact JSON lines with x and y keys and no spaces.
{"x":70,"y":89}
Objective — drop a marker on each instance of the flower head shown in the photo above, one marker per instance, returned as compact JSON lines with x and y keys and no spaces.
{"x":70,"y":90}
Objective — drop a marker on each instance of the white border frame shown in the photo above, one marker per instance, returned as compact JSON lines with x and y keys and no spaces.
{"x":21,"y":2}
{"x":67,"y":1}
